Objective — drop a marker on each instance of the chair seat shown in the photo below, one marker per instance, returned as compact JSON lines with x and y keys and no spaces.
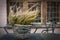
{"x":23,"y":30}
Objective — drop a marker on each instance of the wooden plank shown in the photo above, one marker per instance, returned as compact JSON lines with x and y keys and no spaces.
{"x":25,"y":5}
{"x":43,"y":12}
{"x":59,"y":12}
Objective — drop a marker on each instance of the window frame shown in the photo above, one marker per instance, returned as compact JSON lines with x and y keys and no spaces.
{"x":56,"y":6}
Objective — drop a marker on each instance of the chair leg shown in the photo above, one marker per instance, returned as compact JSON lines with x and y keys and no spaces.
{"x":6,"y":30}
{"x":35,"y":30}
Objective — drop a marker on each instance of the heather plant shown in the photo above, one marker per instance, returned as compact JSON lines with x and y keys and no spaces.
{"x":22,"y":18}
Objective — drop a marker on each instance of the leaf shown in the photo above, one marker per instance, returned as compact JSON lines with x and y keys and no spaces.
{"x":22,"y":18}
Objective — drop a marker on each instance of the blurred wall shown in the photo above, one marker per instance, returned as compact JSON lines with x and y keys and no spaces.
{"x":3,"y":13}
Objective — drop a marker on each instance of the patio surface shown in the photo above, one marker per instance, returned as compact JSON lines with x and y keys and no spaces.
{"x":12,"y":37}
{"x":33,"y":37}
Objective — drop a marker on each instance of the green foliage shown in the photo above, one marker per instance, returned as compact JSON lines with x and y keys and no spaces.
{"x":22,"y":18}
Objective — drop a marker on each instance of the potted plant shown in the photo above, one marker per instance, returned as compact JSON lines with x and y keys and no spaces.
{"x":22,"y":22}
